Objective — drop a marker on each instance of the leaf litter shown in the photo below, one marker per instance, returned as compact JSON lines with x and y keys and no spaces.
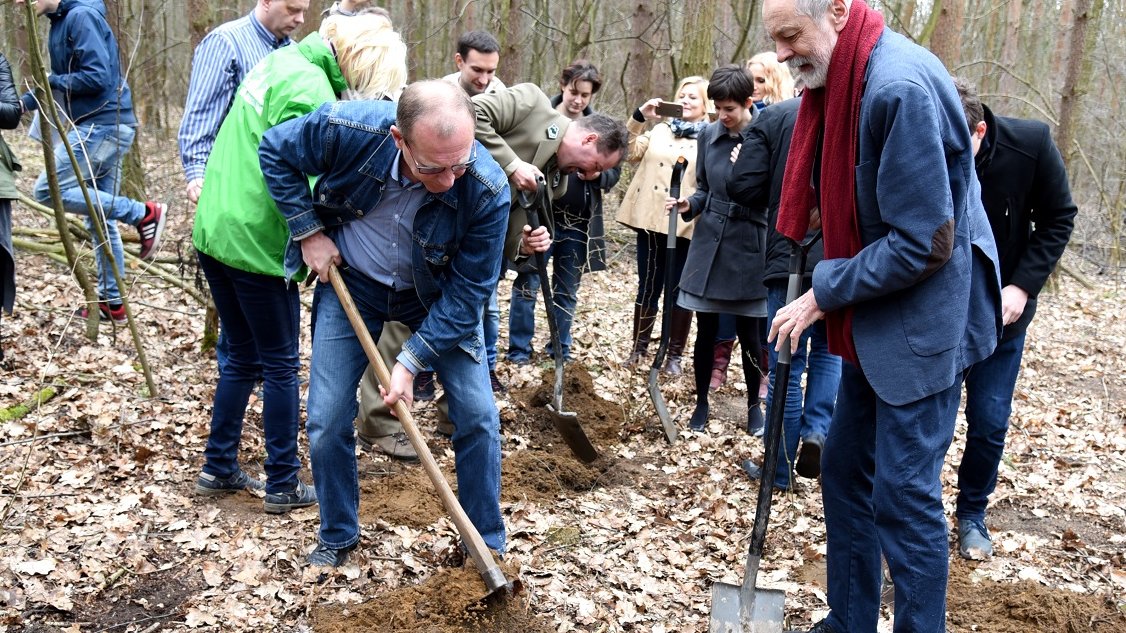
{"x":101,"y":529}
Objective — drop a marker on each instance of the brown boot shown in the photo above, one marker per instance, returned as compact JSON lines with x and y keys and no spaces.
{"x":678,"y":338}
{"x":720,"y":362}
{"x":643,"y":320}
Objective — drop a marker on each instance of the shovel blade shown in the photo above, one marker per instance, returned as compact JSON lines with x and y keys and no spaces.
{"x":567,"y":424}
{"x":662,"y":410}
{"x":735,"y":612}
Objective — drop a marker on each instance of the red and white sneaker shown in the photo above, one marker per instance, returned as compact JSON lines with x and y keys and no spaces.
{"x":106,"y":313}
{"x":151,"y":227}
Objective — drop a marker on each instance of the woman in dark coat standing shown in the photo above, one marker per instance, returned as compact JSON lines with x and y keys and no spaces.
{"x":9,"y":120}
{"x":723,"y":274}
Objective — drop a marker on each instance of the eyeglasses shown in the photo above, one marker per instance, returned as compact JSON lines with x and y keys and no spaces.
{"x":458,"y":169}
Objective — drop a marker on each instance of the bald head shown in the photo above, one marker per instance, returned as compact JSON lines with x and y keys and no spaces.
{"x":441,"y":107}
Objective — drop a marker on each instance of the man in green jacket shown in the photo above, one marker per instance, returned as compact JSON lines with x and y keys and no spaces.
{"x":241,"y":240}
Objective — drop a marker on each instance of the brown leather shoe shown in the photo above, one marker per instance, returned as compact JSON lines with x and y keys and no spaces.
{"x":395,"y":446}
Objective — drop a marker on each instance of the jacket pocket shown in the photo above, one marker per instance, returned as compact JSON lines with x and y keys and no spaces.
{"x":934,"y":312}
{"x":336,"y":204}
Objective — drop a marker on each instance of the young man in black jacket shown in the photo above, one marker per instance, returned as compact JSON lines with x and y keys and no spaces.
{"x":1025,"y":192}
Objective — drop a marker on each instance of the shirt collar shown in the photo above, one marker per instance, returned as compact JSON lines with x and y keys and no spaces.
{"x":266,"y":35}
{"x":397,"y":176}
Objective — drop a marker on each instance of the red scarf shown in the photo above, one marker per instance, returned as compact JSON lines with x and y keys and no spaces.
{"x":832,"y":113}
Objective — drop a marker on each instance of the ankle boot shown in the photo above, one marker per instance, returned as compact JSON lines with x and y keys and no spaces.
{"x":681,"y":323}
{"x":720,"y":361}
{"x":643,"y":320}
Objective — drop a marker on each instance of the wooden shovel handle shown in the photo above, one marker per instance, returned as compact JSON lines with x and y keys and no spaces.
{"x":480,"y":553}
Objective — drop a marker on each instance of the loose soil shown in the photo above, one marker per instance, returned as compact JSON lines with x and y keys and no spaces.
{"x":447,"y":602}
{"x":1024,"y":607}
{"x":406,"y":497}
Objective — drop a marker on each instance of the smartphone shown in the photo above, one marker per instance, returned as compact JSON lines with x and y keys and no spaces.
{"x":670,"y":109}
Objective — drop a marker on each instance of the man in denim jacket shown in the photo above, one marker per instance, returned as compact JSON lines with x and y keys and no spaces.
{"x":414,"y":212}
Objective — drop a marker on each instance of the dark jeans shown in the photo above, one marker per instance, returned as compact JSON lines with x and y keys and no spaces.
{"x":989,"y":401}
{"x":808,"y":416}
{"x":568,"y":254}
{"x":882,"y":494}
{"x":260,"y":315}
{"x":651,"y":267}
{"x":334,"y":373}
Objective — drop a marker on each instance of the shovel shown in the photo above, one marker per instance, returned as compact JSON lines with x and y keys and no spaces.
{"x":566,"y":422}
{"x":499,"y":586}
{"x":678,"y":169}
{"x":746,"y":608}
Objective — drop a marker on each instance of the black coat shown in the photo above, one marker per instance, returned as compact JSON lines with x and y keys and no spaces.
{"x":756,"y":179}
{"x":1026,"y":195}
{"x":728,"y":251}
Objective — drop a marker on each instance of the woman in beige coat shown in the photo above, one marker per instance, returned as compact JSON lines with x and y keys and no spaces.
{"x":643,"y":209}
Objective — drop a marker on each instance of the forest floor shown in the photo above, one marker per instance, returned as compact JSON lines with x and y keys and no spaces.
{"x":101,"y":530}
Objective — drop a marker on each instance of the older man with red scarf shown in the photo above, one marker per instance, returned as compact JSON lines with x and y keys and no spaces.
{"x":909,"y":288}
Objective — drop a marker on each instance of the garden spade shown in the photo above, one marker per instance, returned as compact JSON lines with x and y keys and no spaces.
{"x":498,"y":585}
{"x":678,"y":169}
{"x":566,"y":422}
{"x":746,"y":608}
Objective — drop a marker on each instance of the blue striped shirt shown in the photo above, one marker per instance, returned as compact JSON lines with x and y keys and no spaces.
{"x":220,"y":62}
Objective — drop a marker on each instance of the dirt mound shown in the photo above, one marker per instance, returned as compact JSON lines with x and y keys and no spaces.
{"x":406,"y":498}
{"x":444,"y":603}
{"x":601,"y":419}
{"x":1025,"y":607}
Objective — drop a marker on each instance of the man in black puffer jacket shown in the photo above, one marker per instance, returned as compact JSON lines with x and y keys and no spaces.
{"x":1026,"y":195}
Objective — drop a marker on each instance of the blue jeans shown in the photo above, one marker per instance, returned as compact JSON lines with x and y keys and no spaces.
{"x":491,"y":323}
{"x":989,"y":401}
{"x":568,"y":250}
{"x":100,"y":150}
{"x":882,"y":493}
{"x":337,"y":364}
{"x":260,"y":315}
{"x":809,"y":417}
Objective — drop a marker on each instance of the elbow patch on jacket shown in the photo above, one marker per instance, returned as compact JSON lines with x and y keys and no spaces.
{"x":942,"y":245}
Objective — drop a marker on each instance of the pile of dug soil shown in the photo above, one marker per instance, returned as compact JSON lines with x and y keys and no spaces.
{"x":447,"y":602}
{"x":403,"y":498}
{"x":1025,"y":607}
{"x":601,"y":419}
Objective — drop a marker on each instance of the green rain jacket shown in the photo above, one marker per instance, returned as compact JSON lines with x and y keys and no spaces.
{"x":237,"y":221}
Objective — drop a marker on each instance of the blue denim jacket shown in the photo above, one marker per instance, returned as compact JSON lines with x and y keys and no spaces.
{"x":458,"y":235}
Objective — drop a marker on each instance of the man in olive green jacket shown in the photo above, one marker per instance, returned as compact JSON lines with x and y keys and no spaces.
{"x":530,"y":139}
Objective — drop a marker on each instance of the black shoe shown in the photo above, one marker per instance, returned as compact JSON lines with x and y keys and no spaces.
{"x":325,"y":556}
{"x":300,"y":497}
{"x":755,"y":423}
{"x":822,"y":627}
{"x":699,"y":420}
{"x":754,"y":471}
{"x":494,"y":380}
{"x":809,"y":457}
{"x":424,"y":386}
{"x":211,"y":486}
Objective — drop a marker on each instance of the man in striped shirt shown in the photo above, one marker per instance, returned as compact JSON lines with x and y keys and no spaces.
{"x":221,"y":60}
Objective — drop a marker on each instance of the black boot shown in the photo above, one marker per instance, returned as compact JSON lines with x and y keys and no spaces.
{"x":753,"y":374}
{"x":703,"y":354}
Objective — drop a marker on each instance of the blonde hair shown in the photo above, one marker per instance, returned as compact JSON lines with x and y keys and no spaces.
{"x":371,"y":55}
{"x":779,"y":82}
{"x":701,"y":84}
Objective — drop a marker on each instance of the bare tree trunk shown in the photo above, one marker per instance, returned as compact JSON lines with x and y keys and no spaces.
{"x":946,"y":41}
{"x":638,"y":68}
{"x":697,"y":56}
{"x":1077,"y":79}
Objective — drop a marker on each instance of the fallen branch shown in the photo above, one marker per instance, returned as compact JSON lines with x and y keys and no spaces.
{"x":18,"y":411}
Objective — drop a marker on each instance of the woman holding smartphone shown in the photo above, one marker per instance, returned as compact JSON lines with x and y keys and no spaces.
{"x":643,"y":209}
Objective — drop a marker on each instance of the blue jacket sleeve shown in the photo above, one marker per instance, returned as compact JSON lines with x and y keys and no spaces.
{"x":913,"y":210}
{"x":289,"y":153}
{"x":90,"y":72}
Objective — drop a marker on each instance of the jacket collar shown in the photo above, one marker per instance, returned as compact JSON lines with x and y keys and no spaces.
{"x":989,"y":143}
